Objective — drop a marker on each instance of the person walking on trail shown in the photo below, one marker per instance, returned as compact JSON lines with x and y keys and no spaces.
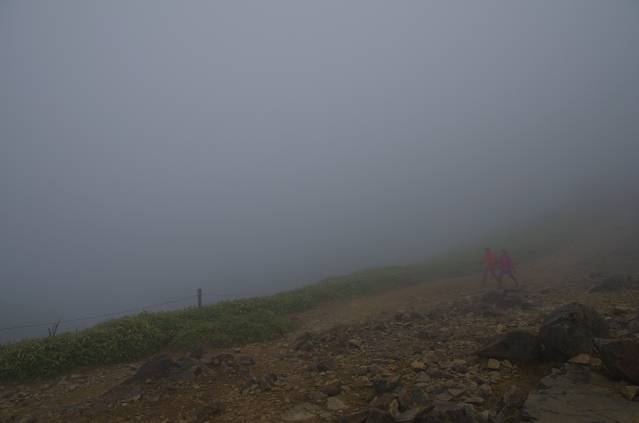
{"x":489,"y":261}
{"x":507,"y":266}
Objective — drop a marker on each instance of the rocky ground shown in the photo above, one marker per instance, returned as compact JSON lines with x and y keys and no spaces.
{"x":446,"y":350}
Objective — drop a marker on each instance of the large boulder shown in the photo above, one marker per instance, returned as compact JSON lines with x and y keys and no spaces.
{"x":620,"y":356}
{"x":445,"y":412}
{"x":613,"y":283}
{"x":570,"y":330}
{"x":577,"y":395}
{"x":518,"y":344}
{"x":512,"y":399}
{"x":156,"y":366}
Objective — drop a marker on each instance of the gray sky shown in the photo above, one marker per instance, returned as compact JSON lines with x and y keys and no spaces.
{"x":148,"y":149}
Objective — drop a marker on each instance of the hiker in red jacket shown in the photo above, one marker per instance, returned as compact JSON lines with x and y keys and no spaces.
{"x":489,"y":262}
{"x":507,"y":266}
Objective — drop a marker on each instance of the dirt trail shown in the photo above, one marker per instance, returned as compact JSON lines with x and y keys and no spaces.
{"x":610,"y":248}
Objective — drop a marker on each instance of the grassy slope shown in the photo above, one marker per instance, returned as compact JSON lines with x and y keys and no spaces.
{"x":261,"y":318}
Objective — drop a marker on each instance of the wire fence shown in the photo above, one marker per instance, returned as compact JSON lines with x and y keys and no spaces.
{"x":404,"y":271}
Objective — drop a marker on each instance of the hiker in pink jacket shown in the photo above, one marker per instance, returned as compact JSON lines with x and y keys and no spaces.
{"x":507,"y":266}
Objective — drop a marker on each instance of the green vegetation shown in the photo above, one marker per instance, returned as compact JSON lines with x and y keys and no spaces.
{"x":262,"y":318}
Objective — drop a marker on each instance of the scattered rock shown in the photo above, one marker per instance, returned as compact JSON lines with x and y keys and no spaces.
{"x":381,"y":401}
{"x":156,"y":366}
{"x":475,"y":401}
{"x":333,"y":388}
{"x":576,"y":394}
{"x":570,"y":330}
{"x":300,"y":412}
{"x":151,"y":396}
{"x":445,"y":412}
{"x":382,"y":385}
{"x":493,"y":364}
{"x":334,"y":404}
{"x":512,"y":399}
{"x":620,"y":356}
{"x":580,"y":359}
{"x":206,"y":410}
{"x":418,"y":366}
{"x":368,"y":415}
{"x":133,"y":395}
{"x":418,"y":398}
{"x":198,"y":352}
{"x":630,"y":392}
{"x":613,"y":283}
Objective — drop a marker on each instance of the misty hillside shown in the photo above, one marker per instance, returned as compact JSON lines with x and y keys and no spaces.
{"x":449,"y":342}
{"x":259,"y":319}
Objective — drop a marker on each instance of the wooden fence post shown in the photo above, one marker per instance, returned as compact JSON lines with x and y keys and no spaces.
{"x":199,"y":297}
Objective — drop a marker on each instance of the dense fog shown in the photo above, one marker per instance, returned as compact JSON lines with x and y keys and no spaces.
{"x":148,"y":149}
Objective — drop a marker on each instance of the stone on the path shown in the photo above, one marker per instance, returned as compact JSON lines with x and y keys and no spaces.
{"x":333,"y":388}
{"x":493,"y":364}
{"x":381,"y":401}
{"x":485,"y":391}
{"x":386,"y":384}
{"x":247,"y":361}
{"x":620,"y":356}
{"x":368,"y":415}
{"x":570,"y":330}
{"x":300,"y":412}
{"x":377,"y":370}
{"x":207,"y":359}
{"x":355,"y":343}
{"x":403,"y":398}
{"x":445,"y":396}
{"x":206,"y":410}
{"x":183,"y":375}
{"x":423,"y":378}
{"x":198,"y":352}
{"x":418,"y":366}
{"x":151,"y":368}
{"x":334,"y":404}
{"x":132,"y":395}
{"x":436,"y":314}
{"x":475,"y":401}
{"x":431,"y":359}
{"x":518,"y":344}
{"x":580,"y":359}
{"x":630,"y":392}
{"x":576,"y":394}
{"x":418,"y":398}
{"x":456,"y":393}
{"x":405,"y":417}
{"x":264,"y":384}
{"x":151,"y":396}
{"x":445,"y":412}
{"x":247,"y":385}
{"x":512,"y":399}
{"x":361,"y":371}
